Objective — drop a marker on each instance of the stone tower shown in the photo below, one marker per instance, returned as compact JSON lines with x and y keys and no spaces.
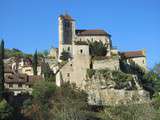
{"x":66,"y":33}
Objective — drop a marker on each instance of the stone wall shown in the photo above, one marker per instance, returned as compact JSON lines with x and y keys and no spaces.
{"x":116,"y":97}
{"x":102,"y":92}
{"x":110,"y":63}
{"x":75,"y":70}
{"x":141,"y":61}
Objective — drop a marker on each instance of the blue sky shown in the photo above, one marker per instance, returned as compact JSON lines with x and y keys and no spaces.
{"x":33,"y":24}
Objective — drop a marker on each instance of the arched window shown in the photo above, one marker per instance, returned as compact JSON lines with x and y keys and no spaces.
{"x":81,"y":51}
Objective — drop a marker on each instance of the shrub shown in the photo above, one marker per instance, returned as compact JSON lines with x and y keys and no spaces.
{"x":90,"y":73}
{"x":97,"y":49}
{"x":65,"y":56}
{"x":5,"y":110}
{"x":130,"y":112}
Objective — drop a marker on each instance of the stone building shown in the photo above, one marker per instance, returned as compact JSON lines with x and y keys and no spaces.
{"x":20,"y":83}
{"x":74,"y":71}
{"x":19,"y":76}
{"x":68,"y":35}
{"x":24,"y":66}
{"x":139,"y":57}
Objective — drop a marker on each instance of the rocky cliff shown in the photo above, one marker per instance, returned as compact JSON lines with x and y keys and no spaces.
{"x":105,"y":87}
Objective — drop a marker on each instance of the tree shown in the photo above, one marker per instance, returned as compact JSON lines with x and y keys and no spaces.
{"x":130,"y":112}
{"x":48,"y":73}
{"x":97,"y":49}
{"x":65,"y":56}
{"x":35,"y":63}
{"x":50,"y":102}
{"x":5,"y":110}
{"x":38,"y":108}
{"x":1,"y":69}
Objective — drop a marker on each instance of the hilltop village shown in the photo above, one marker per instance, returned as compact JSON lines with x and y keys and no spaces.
{"x":86,"y":58}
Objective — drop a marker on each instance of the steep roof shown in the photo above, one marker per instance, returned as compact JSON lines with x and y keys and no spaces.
{"x":133,"y":54}
{"x":94,"y":32}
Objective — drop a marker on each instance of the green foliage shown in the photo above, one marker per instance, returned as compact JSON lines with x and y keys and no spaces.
{"x":43,"y":90}
{"x":13,"y":53}
{"x":5,"y":110}
{"x":97,"y":49}
{"x":16,"y":53}
{"x":53,"y":103}
{"x":90,"y":73}
{"x":48,"y":73}
{"x":144,"y":77}
{"x":70,"y":103}
{"x":151,"y":80}
{"x":1,"y":69}
{"x":38,"y":108}
{"x":43,"y":53}
{"x":122,"y":80}
{"x":35,"y":63}
{"x":130,"y":112}
{"x":132,"y":68}
{"x":156,"y":77}
{"x":65,"y":56}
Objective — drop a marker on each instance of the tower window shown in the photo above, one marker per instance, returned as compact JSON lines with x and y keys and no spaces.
{"x":143,"y":61}
{"x":68,"y":48}
{"x":20,"y":85}
{"x":81,"y":51}
{"x":10,"y":85}
{"x":92,"y":39}
{"x":68,"y":75}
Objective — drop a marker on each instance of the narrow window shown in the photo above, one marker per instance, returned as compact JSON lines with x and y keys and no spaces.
{"x":68,"y":48}
{"x":68,"y":75}
{"x":143,"y":62}
{"x":81,"y":51}
{"x":10,"y":85}
{"x":20,"y":85}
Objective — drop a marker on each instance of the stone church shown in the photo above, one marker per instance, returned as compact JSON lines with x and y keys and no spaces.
{"x":74,"y":71}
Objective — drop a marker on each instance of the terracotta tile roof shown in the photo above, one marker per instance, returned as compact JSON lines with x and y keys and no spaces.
{"x":16,"y":78}
{"x":96,"y":32}
{"x":22,"y":78}
{"x":133,"y":54}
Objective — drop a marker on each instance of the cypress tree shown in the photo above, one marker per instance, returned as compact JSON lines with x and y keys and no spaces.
{"x":35,"y":63}
{"x":1,"y":69}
